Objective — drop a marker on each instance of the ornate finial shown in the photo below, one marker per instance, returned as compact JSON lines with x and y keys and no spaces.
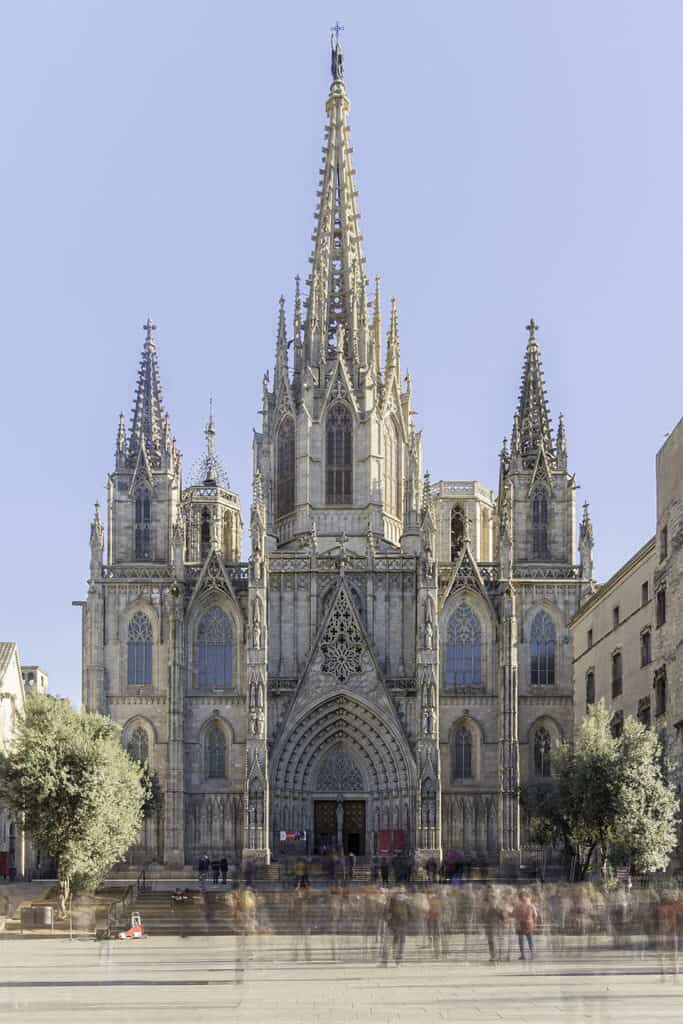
{"x":532,"y":327}
{"x":148,"y":327}
{"x":504,"y":453}
{"x":337,"y":64}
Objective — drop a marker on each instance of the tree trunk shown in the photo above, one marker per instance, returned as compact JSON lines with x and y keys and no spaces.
{"x":64,"y":893}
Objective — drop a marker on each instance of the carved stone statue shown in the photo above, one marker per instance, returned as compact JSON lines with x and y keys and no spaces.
{"x":429,"y":635}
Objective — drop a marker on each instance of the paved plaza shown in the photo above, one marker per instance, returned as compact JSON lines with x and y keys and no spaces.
{"x":269,"y":979}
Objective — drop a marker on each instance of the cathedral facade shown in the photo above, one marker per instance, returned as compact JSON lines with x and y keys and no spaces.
{"x":393,"y":661}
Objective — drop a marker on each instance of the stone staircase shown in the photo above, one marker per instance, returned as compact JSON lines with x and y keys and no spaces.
{"x":277,"y":912}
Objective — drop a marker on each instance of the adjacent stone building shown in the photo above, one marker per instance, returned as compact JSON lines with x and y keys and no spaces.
{"x":18,"y":858}
{"x":394,"y":658}
{"x":668,"y":599}
{"x":614,"y":638}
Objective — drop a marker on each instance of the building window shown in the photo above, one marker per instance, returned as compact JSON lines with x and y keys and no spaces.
{"x":214,"y":649}
{"x":457,"y":531}
{"x":462,"y":755}
{"x":663,"y":543}
{"x":616,"y":674}
{"x":590,"y":688}
{"x":463,"y":648}
{"x":539,"y":523}
{"x":139,"y":651}
{"x":285,"y":467}
{"x":215,"y":752}
{"x":660,"y":617}
{"x":339,"y":455}
{"x":143,"y":519}
{"x":645,"y":648}
{"x":542,"y":650}
{"x":615,"y":616}
{"x":644,"y":716}
{"x":660,"y":691}
{"x":617,"y":724}
{"x":542,"y":765}
{"x":644,"y":592}
{"x":392,"y":469}
{"x":589,"y":639}
{"x":205,"y":534}
{"x":138,"y":746}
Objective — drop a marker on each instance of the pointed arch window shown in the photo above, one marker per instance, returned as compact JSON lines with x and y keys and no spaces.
{"x":214,"y":744}
{"x":539,"y":523}
{"x":138,"y":745}
{"x":214,"y":649}
{"x":392,"y":469}
{"x":463,"y":648}
{"x":457,"y":531}
{"x":462,"y":764}
{"x":139,"y":650}
{"x":285,"y":467}
{"x":542,"y":650}
{"x":143,"y":522}
{"x":205,"y":534}
{"x":339,"y":455}
{"x":542,"y":760}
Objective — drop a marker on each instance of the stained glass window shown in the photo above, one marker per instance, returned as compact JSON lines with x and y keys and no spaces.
{"x":542,"y":765}
{"x":463,"y":648}
{"x":139,"y":650}
{"x":285,"y":467}
{"x":214,"y":649}
{"x":138,"y":745}
{"x":215,"y":752}
{"x":539,"y":523}
{"x":542,"y":650}
{"x":339,"y":455}
{"x":462,"y":754}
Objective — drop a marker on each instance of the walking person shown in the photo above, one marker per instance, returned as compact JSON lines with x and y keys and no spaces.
{"x":525,"y":916}
{"x":493,"y":919}
{"x":224,"y":870}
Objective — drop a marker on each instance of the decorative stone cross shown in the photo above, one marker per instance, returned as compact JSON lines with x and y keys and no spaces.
{"x":532,"y":327}
{"x":337,"y":28}
{"x":148,"y":327}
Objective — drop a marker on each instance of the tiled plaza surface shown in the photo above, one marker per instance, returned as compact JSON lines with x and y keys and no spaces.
{"x":270,"y":980}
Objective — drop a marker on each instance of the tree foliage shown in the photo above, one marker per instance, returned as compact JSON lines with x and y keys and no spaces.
{"x":80,"y":795}
{"x":609,"y":794}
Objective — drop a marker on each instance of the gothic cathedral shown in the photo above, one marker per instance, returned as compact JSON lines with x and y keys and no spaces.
{"x":394,"y":659}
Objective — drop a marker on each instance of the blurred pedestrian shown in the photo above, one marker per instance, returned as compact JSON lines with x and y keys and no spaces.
{"x":525,"y":916}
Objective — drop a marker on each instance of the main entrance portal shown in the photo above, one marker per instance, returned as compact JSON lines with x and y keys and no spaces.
{"x":340,"y":823}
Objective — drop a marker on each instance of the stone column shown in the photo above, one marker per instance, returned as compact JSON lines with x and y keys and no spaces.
{"x":256,"y":830}
{"x":428,"y":796}
{"x":174,"y":796}
{"x":508,"y":746}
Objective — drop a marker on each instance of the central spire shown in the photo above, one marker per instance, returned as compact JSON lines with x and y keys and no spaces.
{"x":336,"y":317}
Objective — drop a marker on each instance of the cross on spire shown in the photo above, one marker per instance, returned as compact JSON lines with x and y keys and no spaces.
{"x":337,"y":28}
{"x":532,"y":327}
{"x":148,"y":327}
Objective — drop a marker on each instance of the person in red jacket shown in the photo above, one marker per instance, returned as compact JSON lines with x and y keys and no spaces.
{"x":525,"y":916}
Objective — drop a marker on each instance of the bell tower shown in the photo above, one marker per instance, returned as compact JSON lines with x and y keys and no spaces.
{"x":144,"y":489}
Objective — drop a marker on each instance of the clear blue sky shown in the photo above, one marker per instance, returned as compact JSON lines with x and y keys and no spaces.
{"x":513,"y":159}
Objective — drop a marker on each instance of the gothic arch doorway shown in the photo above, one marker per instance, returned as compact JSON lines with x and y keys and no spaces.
{"x":342,"y":751}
